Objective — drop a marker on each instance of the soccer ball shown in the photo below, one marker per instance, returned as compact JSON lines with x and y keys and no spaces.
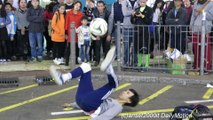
{"x":98,"y":27}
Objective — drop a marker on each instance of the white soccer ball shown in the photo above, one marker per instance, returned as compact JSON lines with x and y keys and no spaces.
{"x":98,"y":27}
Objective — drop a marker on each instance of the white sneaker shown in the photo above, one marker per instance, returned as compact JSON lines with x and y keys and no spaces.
{"x":61,"y":61}
{"x":79,"y":60}
{"x":56,"y":61}
{"x":108,"y":59}
{"x":56,"y":75}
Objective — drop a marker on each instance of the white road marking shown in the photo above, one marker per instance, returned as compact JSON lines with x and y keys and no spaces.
{"x":66,"y":112}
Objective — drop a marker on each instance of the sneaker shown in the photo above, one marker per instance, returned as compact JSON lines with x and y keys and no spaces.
{"x":56,"y":75}
{"x":32,"y":59}
{"x":56,"y":61}
{"x":108,"y":59}
{"x":61,"y":60}
{"x":79,"y":60}
{"x":39,"y":59}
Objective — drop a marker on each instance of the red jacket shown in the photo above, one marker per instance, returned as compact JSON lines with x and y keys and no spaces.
{"x":71,"y":17}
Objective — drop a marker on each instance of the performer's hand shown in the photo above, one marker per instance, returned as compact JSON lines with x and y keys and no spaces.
{"x":65,"y":105}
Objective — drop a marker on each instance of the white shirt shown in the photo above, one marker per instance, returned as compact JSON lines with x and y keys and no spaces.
{"x":156,"y":15}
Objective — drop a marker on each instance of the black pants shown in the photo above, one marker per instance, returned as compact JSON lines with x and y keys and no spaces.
{"x":23,"y":44}
{"x":49,"y":42}
{"x":97,"y":52}
{"x":11,"y":48}
{"x":3,"y":49}
{"x":67,"y":53}
{"x":92,"y":51}
{"x":105,"y":46}
{"x":3,"y":46}
{"x":58,"y":49}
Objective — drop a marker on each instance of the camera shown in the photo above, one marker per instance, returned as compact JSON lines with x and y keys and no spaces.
{"x":137,"y":12}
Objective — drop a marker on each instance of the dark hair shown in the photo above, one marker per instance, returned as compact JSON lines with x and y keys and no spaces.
{"x":58,"y":15}
{"x":156,"y":3}
{"x":79,"y":3}
{"x":101,"y":2}
{"x":29,"y":4}
{"x":84,"y":18}
{"x":8,"y":4}
{"x":2,"y":10}
{"x":134,"y":99}
{"x":20,"y":1}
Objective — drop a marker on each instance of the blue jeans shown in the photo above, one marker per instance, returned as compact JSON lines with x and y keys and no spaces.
{"x":127,"y":40}
{"x":87,"y":98}
{"x":36,"y":40}
{"x":84,"y":51}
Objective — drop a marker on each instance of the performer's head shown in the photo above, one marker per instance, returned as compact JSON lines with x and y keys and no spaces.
{"x":129,"y":97}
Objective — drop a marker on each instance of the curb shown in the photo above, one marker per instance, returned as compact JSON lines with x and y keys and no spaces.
{"x":149,"y":79}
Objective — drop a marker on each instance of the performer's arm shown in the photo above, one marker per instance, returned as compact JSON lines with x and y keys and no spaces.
{"x":110,"y":113}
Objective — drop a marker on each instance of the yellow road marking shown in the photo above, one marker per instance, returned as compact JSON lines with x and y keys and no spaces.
{"x":155,"y":94}
{"x":121,"y":114}
{"x":208,"y":93}
{"x":19,"y":89}
{"x":36,"y":99}
{"x":122,"y":86}
{"x":68,"y":108}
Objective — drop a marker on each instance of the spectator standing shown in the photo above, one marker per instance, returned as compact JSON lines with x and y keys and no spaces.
{"x":177,"y":16}
{"x":155,"y":28}
{"x":36,"y":29}
{"x":165,"y":31}
{"x":115,"y":16}
{"x":58,"y":35}
{"x":48,"y":14}
{"x":189,"y":8}
{"x":88,"y":10}
{"x":11,"y":2}
{"x":141,"y":16}
{"x":74,"y":15}
{"x":4,"y":21}
{"x":83,"y":40}
{"x":128,"y":6}
{"x":196,"y":22}
{"x":22,"y":30}
{"x":11,"y":30}
{"x":101,"y":12}
{"x":56,"y":5}
{"x":69,"y":5}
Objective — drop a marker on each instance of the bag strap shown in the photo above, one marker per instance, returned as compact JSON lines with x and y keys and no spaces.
{"x":199,"y":11}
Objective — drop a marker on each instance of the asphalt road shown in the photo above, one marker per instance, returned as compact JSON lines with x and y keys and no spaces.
{"x":32,"y":102}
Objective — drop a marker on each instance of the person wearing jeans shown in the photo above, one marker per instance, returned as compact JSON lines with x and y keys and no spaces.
{"x":83,"y":40}
{"x":84,"y":51}
{"x":36,"y":28}
{"x":97,"y":103}
{"x":36,"y":39}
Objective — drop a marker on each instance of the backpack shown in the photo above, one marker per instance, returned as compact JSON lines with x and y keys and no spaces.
{"x":191,"y":112}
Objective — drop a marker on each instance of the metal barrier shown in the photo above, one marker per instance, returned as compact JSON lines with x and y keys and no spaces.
{"x":145,"y":47}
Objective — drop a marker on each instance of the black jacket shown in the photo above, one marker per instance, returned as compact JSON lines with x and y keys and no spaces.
{"x":147,"y":20}
{"x":105,"y":15}
{"x":182,"y":19}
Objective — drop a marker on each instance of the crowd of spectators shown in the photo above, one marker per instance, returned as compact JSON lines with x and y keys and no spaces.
{"x":23,"y":31}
